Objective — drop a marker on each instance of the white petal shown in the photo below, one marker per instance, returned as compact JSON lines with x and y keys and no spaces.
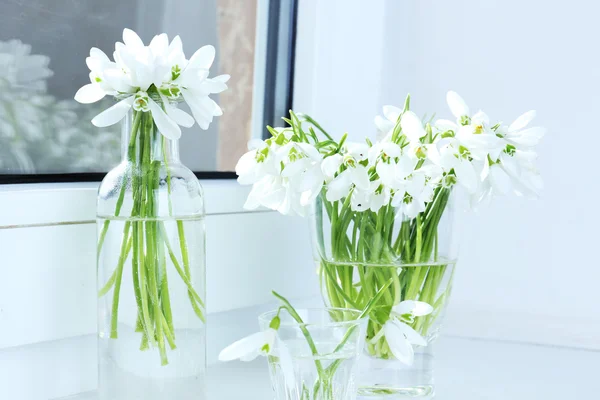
{"x":399,"y":345}
{"x":529,"y":137}
{"x":159,"y":44}
{"x":522,"y":121}
{"x":310,"y":150}
{"x":99,"y":54}
{"x":175,"y":51}
{"x":245,"y":168}
{"x":377,"y":201}
{"x":510,"y":165}
{"x":480,"y":118}
{"x":392,"y":113}
{"x":416,"y":308}
{"x":166,"y":126}
{"x":117,"y":80}
{"x":383,"y":124}
{"x":466,"y":175}
{"x":339,"y":187}
{"x":457,"y":105}
{"x":412,"y":335}
{"x":89,"y":93}
{"x":413,"y":209}
{"x":250,"y":345}
{"x":180,"y":117}
{"x":391,"y":149}
{"x":254,"y":198}
{"x":222,"y":78}
{"x":202,"y":58}
{"x":412,"y":126}
{"x":256,"y":144}
{"x":360,"y":200}
{"x":499,"y":179}
{"x":200,"y":114}
{"x":331,"y":165}
{"x":130,"y":38}
{"x":360,"y":177}
{"x":446,"y":125}
{"x":387,"y":173}
{"x":416,"y":185}
{"x":405,"y":167}
{"x":113,"y":114}
{"x":213,"y":86}
{"x":295,"y":168}
{"x":359,"y":151}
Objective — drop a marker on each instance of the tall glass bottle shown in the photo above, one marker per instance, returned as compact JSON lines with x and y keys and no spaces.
{"x":151,"y":271}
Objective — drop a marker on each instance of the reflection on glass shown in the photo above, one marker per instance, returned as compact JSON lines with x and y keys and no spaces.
{"x":42,"y":45}
{"x":40,"y":132}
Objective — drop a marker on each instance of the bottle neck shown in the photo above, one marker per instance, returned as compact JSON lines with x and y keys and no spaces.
{"x":142,"y":142}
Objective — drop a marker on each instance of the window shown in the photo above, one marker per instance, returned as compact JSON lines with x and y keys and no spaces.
{"x":46,"y":136}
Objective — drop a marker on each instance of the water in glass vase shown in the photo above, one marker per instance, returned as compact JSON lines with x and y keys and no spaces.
{"x":151,"y":308}
{"x":332,"y":379}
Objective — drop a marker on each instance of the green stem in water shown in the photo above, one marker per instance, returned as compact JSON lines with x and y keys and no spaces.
{"x":131,"y":152}
{"x":125,"y":247}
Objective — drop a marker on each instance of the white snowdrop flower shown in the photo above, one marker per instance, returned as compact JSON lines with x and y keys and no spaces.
{"x":399,"y":335}
{"x":250,"y":347}
{"x":256,"y":163}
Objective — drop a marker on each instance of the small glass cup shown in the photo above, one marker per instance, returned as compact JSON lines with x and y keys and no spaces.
{"x":316,"y":359}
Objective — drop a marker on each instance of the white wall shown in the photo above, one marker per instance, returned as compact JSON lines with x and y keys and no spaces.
{"x":528,"y":269}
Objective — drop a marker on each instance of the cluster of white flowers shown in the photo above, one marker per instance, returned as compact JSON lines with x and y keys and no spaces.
{"x":403,"y":168}
{"x":154,"y":79}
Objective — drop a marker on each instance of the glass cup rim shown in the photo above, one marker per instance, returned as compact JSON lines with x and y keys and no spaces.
{"x":267,"y":316}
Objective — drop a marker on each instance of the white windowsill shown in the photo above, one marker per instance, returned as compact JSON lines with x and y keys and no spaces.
{"x":59,"y":203}
{"x":465,"y":369}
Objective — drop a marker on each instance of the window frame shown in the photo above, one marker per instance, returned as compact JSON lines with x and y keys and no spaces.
{"x":278,"y":93}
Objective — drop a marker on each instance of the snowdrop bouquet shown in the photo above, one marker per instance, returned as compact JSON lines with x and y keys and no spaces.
{"x":149,"y":83}
{"x":379,"y":208}
{"x":153,"y":79}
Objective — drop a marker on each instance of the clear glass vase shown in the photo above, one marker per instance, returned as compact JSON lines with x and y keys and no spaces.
{"x":316,"y":359}
{"x":362,"y":253}
{"x":151,"y":271}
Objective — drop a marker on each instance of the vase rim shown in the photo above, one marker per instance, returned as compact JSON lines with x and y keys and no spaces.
{"x":266,"y":317}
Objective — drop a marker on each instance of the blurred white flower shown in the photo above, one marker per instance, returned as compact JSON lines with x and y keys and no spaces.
{"x":20,"y":71}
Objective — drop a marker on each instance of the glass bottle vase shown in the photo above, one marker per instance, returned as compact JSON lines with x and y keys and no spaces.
{"x":150,"y":271}
{"x":361,"y":254}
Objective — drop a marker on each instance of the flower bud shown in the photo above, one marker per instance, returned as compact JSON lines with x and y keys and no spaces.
{"x":275,"y":323}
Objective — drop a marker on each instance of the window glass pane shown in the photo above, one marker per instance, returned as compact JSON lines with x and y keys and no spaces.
{"x":43,"y":46}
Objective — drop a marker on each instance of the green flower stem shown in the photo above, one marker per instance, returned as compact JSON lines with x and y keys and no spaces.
{"x":182,"y":274}
{"x":311,"y":343}
{"x":146,"y":239}
{"x":131,"y":151}
{"x":125,"y":248}
{"x":366,"y":241}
